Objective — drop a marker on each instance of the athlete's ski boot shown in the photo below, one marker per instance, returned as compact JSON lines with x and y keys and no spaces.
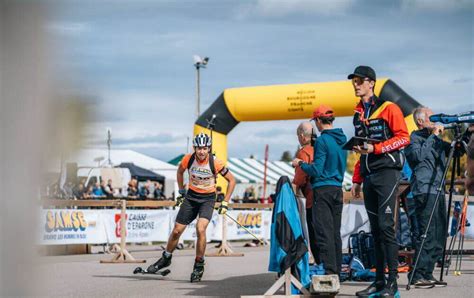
{"x":198,"y":270}
{"x":373,"y":290}
{"x":163,"y":262}
{"x":390,"y":290}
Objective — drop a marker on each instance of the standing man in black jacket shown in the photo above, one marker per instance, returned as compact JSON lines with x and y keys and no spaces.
{"x":377,"y":174}
{"x":426,"y":155}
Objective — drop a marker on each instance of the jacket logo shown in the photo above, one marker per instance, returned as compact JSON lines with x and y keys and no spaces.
{"x":394,"y":145}
{"x":388,"y":210}
{"x":375,"y":127}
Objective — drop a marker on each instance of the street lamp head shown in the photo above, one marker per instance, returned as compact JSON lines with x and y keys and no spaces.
{"x":197,"y":59}
{"x":200,"y":62}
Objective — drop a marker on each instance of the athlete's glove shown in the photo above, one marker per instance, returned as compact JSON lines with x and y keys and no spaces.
{"x":180,"y":198}
{"x":223,"y":208}
{"x":179,"y":201}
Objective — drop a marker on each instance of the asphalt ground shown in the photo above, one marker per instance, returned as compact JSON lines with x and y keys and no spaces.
{"x":85,"y":276}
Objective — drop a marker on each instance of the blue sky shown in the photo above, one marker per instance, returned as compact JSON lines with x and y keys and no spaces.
{"x":133,"y":59}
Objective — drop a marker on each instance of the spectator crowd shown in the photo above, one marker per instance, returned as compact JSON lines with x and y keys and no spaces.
{"x":135,"y":190}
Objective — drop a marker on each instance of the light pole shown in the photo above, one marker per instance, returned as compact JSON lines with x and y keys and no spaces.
{"x":109,"y":143}
{"x":199,"y":63}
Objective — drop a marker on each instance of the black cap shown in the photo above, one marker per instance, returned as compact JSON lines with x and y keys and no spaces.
{"x":363,"y":72}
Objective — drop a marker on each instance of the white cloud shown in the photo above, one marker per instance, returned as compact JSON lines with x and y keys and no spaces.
{"x":436,"y":5}
{"x":281,"y":8}
{"x":140,"y":117}
{"x":430,"y":60}
{"x":424,"y":83}
{"x":68,"y":28}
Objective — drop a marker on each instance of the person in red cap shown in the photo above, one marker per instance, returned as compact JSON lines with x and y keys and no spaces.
{"x":379,"y":171}
{"x":327,"y":174}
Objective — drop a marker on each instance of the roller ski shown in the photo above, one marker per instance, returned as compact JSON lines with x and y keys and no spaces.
{"x":155,"y":268}
{"x":198,"y":271}
{"x":140,"y":270}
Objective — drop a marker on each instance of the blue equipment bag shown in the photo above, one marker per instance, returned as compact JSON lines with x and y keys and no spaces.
{"x":361,"y":245}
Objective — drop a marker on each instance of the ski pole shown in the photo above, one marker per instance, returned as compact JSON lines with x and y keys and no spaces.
{"x":463,"y":218}
{"x":452,"y":243}
{"x":456,"y":266}
{"x":247,"y":230}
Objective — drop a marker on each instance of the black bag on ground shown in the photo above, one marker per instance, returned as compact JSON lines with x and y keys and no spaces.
{"x":361,"y":245}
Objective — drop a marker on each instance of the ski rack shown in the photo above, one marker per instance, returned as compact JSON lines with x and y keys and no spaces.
{"x":286,"y":280}
{"x":122,"y":255}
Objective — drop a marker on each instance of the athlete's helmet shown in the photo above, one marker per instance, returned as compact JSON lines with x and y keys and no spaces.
{"x":202,"y":140}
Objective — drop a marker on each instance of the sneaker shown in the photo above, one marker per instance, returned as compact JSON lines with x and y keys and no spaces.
{"x":374,"y":288}
{"x":423,"y":284}
{"x":437,"y":283}
{"x":390,"y":290}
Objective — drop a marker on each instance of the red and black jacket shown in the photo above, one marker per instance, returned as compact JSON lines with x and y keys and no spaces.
{"x":384,"y":121}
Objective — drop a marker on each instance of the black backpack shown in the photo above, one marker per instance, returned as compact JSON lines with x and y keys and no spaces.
{"x":361,"y":245}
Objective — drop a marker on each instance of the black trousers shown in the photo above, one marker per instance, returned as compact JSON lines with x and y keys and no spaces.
{"x":380,"y":193}
{"x":327,"y":211}
{"x":311,"y":232}
{"x":433,"y":246}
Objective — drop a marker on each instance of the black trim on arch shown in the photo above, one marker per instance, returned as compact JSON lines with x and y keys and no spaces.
{"x":224,"y":121}
{"x":392,"y":92}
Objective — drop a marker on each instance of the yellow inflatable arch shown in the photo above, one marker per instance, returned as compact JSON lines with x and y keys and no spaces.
{"x":294,"y":101}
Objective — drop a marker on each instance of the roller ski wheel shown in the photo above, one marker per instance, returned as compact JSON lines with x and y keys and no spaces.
{"x":140,"y":270}
{"x":198,"y":271}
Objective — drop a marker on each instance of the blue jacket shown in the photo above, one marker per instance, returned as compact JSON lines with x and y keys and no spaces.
{"x":329,"y":163}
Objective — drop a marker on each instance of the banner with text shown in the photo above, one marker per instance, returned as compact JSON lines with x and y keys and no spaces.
{"x":142,"y":225}
{"x":257,"y":222}
{"x":71,"y":227}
